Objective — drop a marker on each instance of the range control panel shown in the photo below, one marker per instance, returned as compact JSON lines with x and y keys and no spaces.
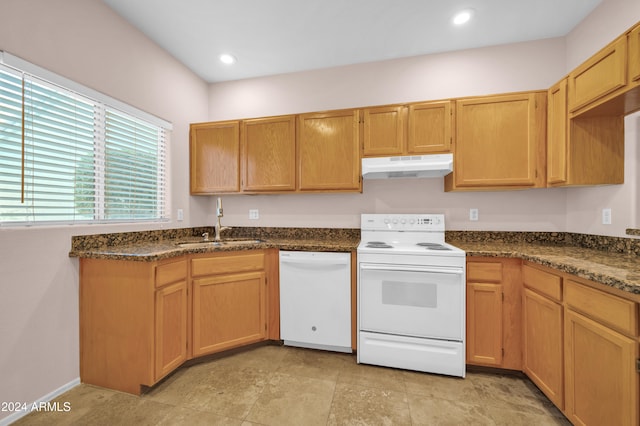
{"x":402,"y":222}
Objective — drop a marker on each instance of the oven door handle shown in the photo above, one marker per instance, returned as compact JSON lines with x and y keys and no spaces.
{"x":409,"y":268}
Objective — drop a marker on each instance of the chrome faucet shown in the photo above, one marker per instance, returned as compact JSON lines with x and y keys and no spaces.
{"x":205,"y":236}
{"x":219,"y":214}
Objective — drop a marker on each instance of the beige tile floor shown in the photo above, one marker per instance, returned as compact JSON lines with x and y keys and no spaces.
{"x":276,"y":385}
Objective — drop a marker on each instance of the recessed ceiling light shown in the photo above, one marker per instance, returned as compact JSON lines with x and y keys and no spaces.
{"x":463,"y":17}
{"x":225,"y":58}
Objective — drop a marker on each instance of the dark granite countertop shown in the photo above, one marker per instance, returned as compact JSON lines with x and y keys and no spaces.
{"x":157,"y":245}
{"x":613,"y":269}
{"x":611,"y":261}
{"x":150,"y":251}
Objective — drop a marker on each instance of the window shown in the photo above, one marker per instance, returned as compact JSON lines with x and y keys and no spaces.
{"x":67,"y":157}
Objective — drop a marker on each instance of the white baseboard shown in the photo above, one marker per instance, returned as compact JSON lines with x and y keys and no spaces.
{"x":48,"y":397}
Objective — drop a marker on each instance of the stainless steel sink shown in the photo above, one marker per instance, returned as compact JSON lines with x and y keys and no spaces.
{"x":199,"y":244}
{"x":206,"y":244}
{"x":240,"y":242}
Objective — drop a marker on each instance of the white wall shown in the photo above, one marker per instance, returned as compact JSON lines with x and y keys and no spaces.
{"x":516,"y":67}
{"x":607,"y":21}
{"x":85,"y":41}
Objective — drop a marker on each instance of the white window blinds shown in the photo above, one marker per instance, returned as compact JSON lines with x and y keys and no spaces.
{"x":67,"y":158}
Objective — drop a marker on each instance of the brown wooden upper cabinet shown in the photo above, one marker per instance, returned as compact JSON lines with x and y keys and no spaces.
{"x":634,"y":55}
{"x":384,"y":131}
{"x":557,"y":121}
{"x":602,"y":74}
{"x":500,"y":142}
{"x":584,"y":150}
{"x":429,"y":127}
{"x":329,"y":151}
{"x":269,"y":154}
{"x":215,"y":157}
{"x":414,"y":129}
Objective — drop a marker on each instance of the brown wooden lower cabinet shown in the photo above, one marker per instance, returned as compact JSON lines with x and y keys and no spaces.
{"x":141,"y":320}
{"x":601,"y":381}
{"x":493,"y":312}
{"x":171,"y":327}
{"x":600,"y":349}
{"x":542,"y":344}
{"x":579,"y":344}
{"x":133,"y":321}
{"x":228,"y":311}
{"x":484,"y":324}
{"x":542,"y":332}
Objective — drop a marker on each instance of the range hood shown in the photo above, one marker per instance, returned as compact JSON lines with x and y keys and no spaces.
{"x":407,"y":166}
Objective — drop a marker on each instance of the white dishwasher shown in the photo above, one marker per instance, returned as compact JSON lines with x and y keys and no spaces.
{"x":315,"y":300}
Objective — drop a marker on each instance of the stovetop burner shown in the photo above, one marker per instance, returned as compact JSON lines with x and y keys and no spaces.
{"x":433,"y":246}
{"x":378,"y":244}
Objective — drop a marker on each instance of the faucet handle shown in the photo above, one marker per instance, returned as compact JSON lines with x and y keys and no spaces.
{"x":219,"y":207}
{"x":205,"y":235}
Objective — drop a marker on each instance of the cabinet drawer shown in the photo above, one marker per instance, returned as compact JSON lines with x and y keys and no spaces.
{"x":600,"y":75}
{"x":223,"y":264}
{"x":610,"y":310}
{"x":167,"y":273}
{"x":484,"y":272}
{"x":543,"y":282}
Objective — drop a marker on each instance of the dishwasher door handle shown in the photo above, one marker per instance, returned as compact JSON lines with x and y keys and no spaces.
{"x":313,"y":263}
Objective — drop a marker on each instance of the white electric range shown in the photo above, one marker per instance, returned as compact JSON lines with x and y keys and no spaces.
{"x":411,"y":294}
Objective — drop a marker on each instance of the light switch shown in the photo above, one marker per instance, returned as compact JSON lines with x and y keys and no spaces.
{"x":473,"y":214}
{"x":254,"y":214}
{"x":606,"y":216}
{"x":180,"y":215}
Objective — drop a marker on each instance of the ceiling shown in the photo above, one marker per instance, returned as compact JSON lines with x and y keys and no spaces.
{"x":281,"y":36}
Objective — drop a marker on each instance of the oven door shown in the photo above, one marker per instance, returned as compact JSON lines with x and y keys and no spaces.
{"x":420,"y":301}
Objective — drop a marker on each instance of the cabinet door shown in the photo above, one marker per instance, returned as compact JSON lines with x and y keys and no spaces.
{"x":634,"y":54}
{"x":601,"y":381}
{"x":543,"y":344}
{"x":484,"y":324}
{"x":228,"y":311}
{"x":171,"y":328}
{"x":269,"y":154}
{"x":384,"y":129}
{"x":600,"y":75}
{"x":500,"y":142}
{"x":557,"y":133}
{"x":215,"y":157}
{"x":328,"y":151}
{"x":429,"y":127}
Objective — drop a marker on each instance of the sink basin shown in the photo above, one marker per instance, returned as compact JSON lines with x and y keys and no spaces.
{"x":240,"y":242}
{"x":199,"y":244}
{"x":205,"y":244}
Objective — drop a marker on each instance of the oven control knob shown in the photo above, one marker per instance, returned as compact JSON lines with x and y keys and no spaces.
{"x":386,"y":220}
{"x":412,"y":221}
{"x":403,"y":221}
{"x":395,"y":221}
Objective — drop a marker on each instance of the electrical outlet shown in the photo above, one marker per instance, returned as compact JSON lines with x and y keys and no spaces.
{"x":606,"y":216}
{"x":473,"y":214}
{"x":254,"y":214}
{"x":180,"y":215}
